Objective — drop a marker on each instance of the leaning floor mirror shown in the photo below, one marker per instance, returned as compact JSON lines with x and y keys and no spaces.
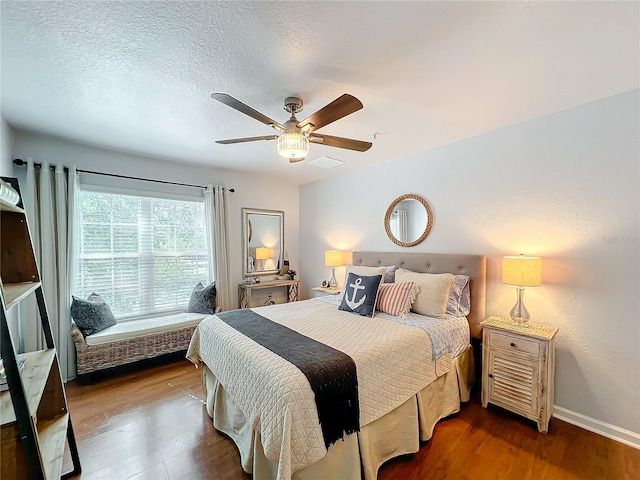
{"x":263,"y":241}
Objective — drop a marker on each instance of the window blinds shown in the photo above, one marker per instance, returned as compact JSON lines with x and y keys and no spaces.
{"x":143,"y":255}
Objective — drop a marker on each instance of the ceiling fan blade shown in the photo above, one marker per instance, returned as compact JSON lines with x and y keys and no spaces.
{"x":296,"y":160}
{"x":340,"y":107}
{"x":247,"y":139}
{"x":340,"y":142}
{"x":247,"y":110}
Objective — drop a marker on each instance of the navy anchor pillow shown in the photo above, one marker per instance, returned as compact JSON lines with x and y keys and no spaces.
{"x":360,"y":294}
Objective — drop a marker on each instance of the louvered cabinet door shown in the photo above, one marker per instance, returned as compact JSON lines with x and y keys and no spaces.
{"x":518,"y":365}
{"x":513,"y":381}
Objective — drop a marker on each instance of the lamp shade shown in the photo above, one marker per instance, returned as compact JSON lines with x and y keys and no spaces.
{"x":333,"y":258}
{"x":263,"y":253}
{"x":522,"y":271}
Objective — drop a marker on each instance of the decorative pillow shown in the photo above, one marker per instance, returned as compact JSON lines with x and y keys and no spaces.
{"x":203,"y":299}
{"x":389,"y":274}
{"x":396,"y":298}
{"x":360,"y":294}
{"x":361,"y":270}
{"x":459,"y":302}
{"x":434,"y":291}
{"x":91,"y":315}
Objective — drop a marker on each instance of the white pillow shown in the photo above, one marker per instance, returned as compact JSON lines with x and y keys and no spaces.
{"x":434,"y":291}
{"x":362,"y":270}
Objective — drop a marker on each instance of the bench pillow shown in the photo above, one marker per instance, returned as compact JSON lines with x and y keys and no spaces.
{"x":91,"y":315}
{"x":203,"y":299}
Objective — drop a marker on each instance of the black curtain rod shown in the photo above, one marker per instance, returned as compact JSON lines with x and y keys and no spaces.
{"x":21,"y":162}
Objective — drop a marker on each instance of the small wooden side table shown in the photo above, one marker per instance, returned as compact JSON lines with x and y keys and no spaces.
{"x":244,"y":291}
{"x":518,"y":368}
{"x":322,"y":291}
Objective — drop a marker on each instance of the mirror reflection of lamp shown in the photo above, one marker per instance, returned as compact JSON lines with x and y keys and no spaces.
{"x":333,"y":259}
{"x":262,"y":254}
{"x":521,"y":272}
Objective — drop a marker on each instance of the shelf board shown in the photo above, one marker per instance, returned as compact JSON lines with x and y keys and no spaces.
{"x":8,"y":207}
{"x":14,"y":292}
{"x":34,"y":378}
{"x":52,"y":435}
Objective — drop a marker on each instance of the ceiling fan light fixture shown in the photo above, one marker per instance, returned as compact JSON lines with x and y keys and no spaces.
{"x":293,"y":145}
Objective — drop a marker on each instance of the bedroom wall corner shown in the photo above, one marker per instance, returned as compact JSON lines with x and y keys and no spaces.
{"x":565,"y":186}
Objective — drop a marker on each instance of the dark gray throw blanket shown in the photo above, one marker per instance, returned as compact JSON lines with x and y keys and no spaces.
{"x":331,"y":373}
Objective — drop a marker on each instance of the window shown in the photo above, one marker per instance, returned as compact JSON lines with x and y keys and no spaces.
{"x":142,"y":255}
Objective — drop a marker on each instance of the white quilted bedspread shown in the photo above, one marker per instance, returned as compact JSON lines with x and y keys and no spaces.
{"x":393,"y":362}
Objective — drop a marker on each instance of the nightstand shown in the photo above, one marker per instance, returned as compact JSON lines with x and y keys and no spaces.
{"x":322,"y":291}
{"x":518,"y":368}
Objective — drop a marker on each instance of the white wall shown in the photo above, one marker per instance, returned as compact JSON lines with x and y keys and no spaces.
{"x":6,"y":139}
{"x":250,"y":191}
{"x":565,"y":187}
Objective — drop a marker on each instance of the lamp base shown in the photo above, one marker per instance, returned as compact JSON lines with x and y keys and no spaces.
{"x":519,"y":314}
{"x":333,"y":283}
{"x":521,"y":322}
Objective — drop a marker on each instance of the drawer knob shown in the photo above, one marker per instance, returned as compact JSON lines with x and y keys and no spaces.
{"x":512,"y":344}
{"x":491,"y":375}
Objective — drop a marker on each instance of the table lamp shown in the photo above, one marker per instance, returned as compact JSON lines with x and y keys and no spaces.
{"x":263,"y":253}
{"x":522,"y":272}
{"x":333,"y":259}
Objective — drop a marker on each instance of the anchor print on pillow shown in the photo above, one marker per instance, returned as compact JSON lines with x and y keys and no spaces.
{"x":360,"y":294}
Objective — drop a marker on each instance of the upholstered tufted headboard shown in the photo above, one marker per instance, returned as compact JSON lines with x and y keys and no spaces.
{"x":475,"y":266}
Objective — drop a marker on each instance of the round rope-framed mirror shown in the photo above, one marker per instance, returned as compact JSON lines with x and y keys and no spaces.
{"x":408,"y":220}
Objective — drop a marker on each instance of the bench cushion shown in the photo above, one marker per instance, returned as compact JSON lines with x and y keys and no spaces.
{"x":147,"y":326}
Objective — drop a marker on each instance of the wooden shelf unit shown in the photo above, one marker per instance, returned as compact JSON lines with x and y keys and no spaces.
{"x":35,"y":423}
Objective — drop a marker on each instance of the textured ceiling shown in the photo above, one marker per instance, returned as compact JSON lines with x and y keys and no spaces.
{"x":137,"y":76}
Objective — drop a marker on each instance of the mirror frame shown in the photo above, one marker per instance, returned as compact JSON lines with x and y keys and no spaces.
{"x":248,"y":232}
{"x":394,"y":204}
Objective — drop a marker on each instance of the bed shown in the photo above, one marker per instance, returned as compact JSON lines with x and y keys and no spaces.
{"x":406,"y":380}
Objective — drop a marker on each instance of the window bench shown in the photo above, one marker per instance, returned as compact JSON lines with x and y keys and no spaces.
{"x":130,"y":341}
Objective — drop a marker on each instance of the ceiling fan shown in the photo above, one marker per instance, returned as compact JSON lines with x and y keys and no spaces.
{"x":294,"y":137}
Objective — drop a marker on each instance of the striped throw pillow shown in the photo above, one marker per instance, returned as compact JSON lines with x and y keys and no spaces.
{"x":396,"y":298}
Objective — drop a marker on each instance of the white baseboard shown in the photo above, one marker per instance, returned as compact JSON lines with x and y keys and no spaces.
{"x":596,"y":426}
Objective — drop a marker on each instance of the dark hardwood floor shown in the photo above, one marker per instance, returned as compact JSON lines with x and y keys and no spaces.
{"x":149,"y":422}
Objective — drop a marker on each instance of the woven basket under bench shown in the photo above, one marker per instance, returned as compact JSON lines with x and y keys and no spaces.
{"x":92,"y":358}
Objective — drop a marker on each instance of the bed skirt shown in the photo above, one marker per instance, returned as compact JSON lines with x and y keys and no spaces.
{"x":359,"y":455}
